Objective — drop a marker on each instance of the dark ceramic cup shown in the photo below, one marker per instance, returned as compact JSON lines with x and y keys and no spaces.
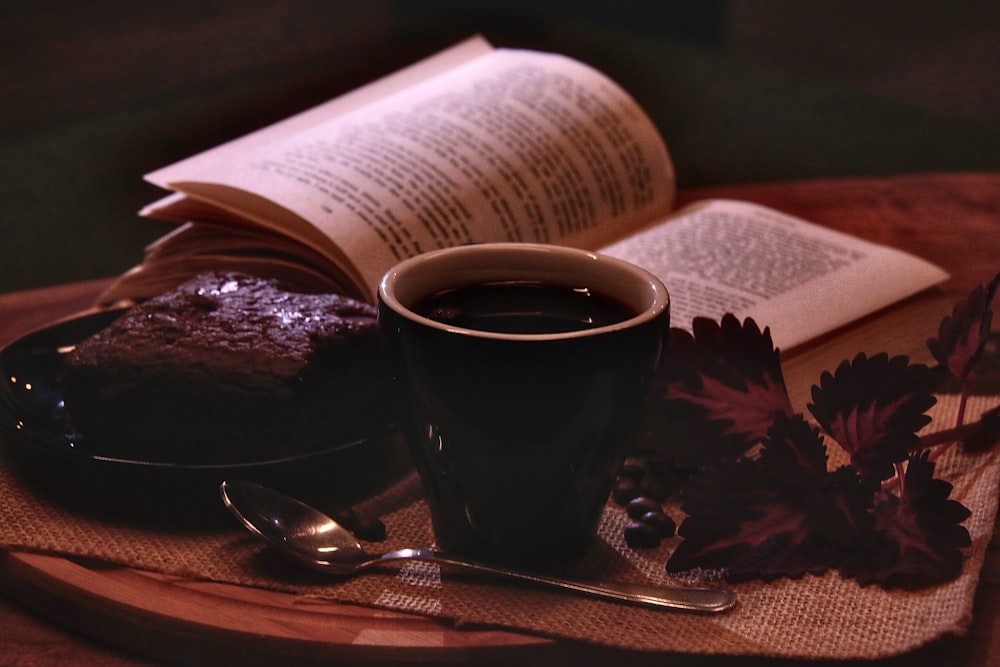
{"x":518,"y":437}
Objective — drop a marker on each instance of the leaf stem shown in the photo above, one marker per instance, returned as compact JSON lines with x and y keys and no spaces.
{"x":962,"y":401}
{"x":938,"y":448}
{"x":942,"y":440}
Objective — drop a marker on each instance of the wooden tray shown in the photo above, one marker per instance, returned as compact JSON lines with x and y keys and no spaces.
{"x":199,"y":622}
{"x":179,"y":620}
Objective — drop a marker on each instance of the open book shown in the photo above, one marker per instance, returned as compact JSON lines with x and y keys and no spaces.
{"x":482,"y":144}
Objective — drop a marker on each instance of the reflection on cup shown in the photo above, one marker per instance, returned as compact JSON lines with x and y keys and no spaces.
{"x":521,"y":371}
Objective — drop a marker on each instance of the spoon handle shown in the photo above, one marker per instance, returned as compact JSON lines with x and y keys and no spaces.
{"x":708,"y":600}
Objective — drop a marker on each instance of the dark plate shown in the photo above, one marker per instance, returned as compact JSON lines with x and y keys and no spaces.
{"x":44,"y":445}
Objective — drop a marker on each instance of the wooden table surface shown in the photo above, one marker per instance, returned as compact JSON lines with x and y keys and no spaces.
{"x":951,"y":219}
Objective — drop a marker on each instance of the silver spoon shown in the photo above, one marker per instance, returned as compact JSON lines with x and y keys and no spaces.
{"x":313,"y":539}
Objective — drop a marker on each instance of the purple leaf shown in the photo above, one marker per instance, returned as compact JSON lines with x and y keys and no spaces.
{"x":873,"y":407}
{"x":962,"y":335}
{"x":726,"y":375}
{"x":762,"y":503}
{"x":780,"y":514}
{"x":919,"y":536}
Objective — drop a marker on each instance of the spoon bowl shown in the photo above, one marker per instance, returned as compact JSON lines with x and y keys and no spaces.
{"x":297,"y":530}
{"x":314,"y":540}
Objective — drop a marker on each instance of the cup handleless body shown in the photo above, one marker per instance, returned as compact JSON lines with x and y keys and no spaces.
{"x":518,"y":438}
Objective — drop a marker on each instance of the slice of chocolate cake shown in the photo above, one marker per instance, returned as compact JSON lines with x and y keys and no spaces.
{"x":228,"y":368}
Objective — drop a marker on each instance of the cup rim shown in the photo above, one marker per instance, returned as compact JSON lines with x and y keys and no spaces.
{"x":483,"y":259}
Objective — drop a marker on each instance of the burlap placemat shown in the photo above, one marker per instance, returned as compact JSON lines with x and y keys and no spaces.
{"x":815,"y":617}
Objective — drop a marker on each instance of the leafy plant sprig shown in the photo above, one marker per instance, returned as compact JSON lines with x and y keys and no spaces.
{"x":761,"y":500}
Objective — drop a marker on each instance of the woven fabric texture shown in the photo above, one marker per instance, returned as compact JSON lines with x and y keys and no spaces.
{"x":815,"y":617}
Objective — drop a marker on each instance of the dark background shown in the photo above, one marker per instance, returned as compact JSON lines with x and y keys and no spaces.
{"x":95,"y":94}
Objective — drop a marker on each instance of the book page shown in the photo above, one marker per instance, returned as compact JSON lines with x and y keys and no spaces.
{"x":511,"y":146}
{"x":800,"y":279}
